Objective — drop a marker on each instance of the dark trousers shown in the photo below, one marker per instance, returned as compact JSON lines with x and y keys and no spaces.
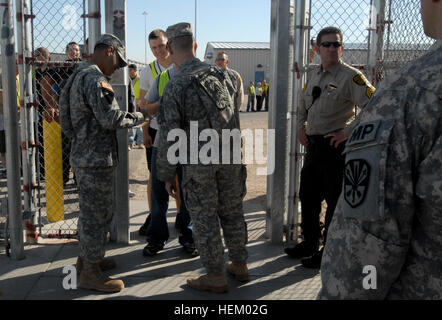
{"x":321,"y":179}
{"x":66,"y":153}
{"x":266,"y":100}
{"x":158,"y":231}
{"x":258,"y":103}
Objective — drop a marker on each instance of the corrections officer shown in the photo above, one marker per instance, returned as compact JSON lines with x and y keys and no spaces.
{"x":332,"y":92}
{"x":213,"y":193}
{"x":90,"y":116}
{"x":385,"y":240}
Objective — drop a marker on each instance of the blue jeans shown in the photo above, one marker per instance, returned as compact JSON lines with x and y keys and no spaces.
{"x":135,"y":136}
{"x":158,"y":231}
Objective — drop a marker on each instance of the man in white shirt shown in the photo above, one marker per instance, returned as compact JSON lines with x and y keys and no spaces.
{"x":157,"y":43}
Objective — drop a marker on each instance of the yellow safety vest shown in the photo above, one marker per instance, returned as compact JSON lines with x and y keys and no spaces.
{"x":153,"y":69}
{"x":252,"y":90}
{"x":162,"y":81}
{"x":265,"y":88}
{"x":18,"y":92}
{"x":137,"y":88}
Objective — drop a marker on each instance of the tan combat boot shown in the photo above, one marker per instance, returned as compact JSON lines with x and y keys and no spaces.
{"x":239,"y":270}
{"x":216,"y":282}
{"x":92,"y":277}
{"x":105,"y":264}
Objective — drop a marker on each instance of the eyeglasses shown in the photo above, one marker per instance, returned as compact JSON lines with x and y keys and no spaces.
{"x":220,"y":59}
{"x":327,"y":44}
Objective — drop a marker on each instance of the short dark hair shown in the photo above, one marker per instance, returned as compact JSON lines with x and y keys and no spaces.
{"x":184,"y":43}
{"x":155,"y":34}
{"x":43,"y":51}
{"x":132,"y":66}
{"x":70,"y":44}
{"x":329,"y":30}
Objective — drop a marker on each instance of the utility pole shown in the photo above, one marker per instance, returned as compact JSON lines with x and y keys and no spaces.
{"x":195,"y":20}
{"x":145,"y":37}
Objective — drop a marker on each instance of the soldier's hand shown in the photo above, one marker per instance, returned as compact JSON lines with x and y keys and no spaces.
{"x":336,"y":137}
{"x":171,"y":189}
{"x":302,"y":137}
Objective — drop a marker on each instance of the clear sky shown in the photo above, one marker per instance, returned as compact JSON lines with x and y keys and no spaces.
{"x":226,"y":20}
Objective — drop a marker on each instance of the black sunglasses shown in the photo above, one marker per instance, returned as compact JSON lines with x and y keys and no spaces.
{"x":327,"y":44}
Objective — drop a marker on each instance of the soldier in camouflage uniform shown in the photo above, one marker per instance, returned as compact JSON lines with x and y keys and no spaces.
{"x":389,"y":213}
{"x":90,"y":116}
{"x":213,"y":193}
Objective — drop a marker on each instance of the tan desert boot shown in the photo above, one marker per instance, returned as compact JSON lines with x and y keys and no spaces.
{"x":239,"y":270}
{"x":209,"y":282}
{"x":92,"y":277}
{"x":105,"y":264}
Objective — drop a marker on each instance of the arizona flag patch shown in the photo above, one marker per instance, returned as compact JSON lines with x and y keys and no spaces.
{"x":107,"y":86}
{"x":356,"y":181}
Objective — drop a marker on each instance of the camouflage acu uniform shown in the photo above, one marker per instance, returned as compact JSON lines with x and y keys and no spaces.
{"x":389,"y":213}
{"x":213,"y":193}
{"x":90,"y":115}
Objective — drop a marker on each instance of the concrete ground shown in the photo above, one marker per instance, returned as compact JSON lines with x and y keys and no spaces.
{"x":274,"y":276}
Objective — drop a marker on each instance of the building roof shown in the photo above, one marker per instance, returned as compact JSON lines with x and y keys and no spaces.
{"x":240,"y":45}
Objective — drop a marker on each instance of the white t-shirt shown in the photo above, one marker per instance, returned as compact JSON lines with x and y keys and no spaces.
{"x":153,"y":96}
{"x":146,"y":82}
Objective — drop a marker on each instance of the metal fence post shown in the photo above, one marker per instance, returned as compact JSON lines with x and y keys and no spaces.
{"x":27,"y":115}
{"x":277,"y":182}
{"x":94,"y":23}
{"x":376,"y":46}
{"x":115,"y":24}
{"x":301,"y":46}
{"x":11,"y":130}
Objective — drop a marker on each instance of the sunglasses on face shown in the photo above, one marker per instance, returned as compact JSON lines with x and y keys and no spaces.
{"x":327,"y":44}
{"x":220,"y":59}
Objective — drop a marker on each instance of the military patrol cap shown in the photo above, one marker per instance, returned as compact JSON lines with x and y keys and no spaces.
{"x":178,"y":30}
{"x":111,"y":40}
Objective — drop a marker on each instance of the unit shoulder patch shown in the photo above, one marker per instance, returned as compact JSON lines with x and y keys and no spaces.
{"x":356,"y":181}
{"x":369,"y":91}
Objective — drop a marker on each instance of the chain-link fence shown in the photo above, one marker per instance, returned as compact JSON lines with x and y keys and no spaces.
{"x":353,"y":18}
{"x":404,"y":38}
{"x":58,"y":41}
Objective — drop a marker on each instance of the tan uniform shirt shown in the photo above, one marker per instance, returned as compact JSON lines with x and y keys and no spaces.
{"x":341,"y":89}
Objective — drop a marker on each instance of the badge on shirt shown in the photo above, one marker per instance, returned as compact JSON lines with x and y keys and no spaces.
{"x":360,"y":80}
{"x":356,"y":181}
